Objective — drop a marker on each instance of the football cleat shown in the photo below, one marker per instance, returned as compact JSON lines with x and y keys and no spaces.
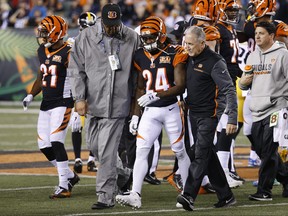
{"x":254,"y":163}
{"x":91,"y":167}
{"x":73,"y":181}
{"x":232,"y":182}
{"x":176,"y":181}
{"x":151,"y":179}
{"x":78,"y":165}
{"x":60,"y":192}
{"x":129,"y":199}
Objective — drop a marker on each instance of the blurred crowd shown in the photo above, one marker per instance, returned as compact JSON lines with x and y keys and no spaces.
{"x":28,"y":13}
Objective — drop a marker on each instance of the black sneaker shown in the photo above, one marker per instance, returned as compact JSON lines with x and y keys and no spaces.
{"x":100,"y":205}
{"x":225,"y":203}
{"x":260,"y":197}
{"x":209,"y":188}
{"x":91,"y":167}
{"x":73,"y":181}
{"x":186,"y":201}
{"x":285,"y":191}
{"x":151,"y":179}
{"x":78,"y":166}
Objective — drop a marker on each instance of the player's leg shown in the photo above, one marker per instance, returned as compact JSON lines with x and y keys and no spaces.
{"x":59,"y":118}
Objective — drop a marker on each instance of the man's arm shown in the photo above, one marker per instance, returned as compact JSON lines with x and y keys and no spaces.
{"x":224,"y":82}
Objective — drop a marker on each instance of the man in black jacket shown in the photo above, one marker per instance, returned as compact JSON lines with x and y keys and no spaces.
{"x":210,"y":91}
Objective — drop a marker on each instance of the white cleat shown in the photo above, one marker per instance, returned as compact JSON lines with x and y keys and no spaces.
{"x":232,"y":182}
{"x":129,"y":199}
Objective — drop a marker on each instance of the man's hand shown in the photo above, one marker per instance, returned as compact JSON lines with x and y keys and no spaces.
{"x":133,"y":126}
{"x":231,"y":129}
{"x":148,"y":99}
{"x":81,"y":107}
{"x":26,"y":101}
{"x":75,"y":122}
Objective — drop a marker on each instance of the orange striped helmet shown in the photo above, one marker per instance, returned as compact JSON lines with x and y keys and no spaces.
{"x":206,"y":10}
{"x":211,"y":33}
{"x":229,"y":11}
{"x":52,"y":29}
{"x":259,"y":8}
{"x":281,"y":29}
{"x":153,"y":27}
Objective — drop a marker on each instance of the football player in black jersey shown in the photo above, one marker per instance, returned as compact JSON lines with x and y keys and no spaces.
{"x":161,"y":77}
{"x":229,"y":48}
{"x":57,"y":102}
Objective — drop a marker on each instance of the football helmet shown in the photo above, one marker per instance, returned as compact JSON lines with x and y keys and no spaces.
{"x":229,"y":11}
{"x":86,"y":19}
{"x":259,"y":8}
{"x":153,"y":33}
{"x":206,"y":10}
{"x":51,"y":29}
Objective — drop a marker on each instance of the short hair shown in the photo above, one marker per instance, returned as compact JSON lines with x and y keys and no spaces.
{"x":197,"y":31}
{"x":269,"y":26}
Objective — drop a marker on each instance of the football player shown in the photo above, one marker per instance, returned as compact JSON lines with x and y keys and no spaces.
{"x":85,"y":20}
{"x":161,"y":68}
{"x":229,"y":48}
{"x":57,"y":102}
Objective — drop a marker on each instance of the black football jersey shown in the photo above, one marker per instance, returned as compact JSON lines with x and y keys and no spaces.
{"x":56,"y":87}
{"x":158,"y":70}
{"x":229,"y":48}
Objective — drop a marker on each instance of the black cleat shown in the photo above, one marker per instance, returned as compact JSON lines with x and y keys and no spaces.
{"x":91,"y":167}
{"x":73,"y":181}
{"x":151,"y":179}
{"x":78,"y":166}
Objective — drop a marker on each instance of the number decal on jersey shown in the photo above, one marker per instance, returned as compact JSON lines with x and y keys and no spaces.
{"x":161,"y":82}
{"x":46,"y":71}
{"x":251,"y":44}
{"x":234,"y":44}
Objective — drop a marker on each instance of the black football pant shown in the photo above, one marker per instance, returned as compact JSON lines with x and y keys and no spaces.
{"x":205,"y":161}
{"x":271,"y":164}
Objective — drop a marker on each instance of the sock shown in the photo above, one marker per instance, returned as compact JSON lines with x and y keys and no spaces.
{"x":54,"y":162}
{"x":140,"y":169}
{"x":183,"y":163}
{"x":205,"y":180}
{"x":224,"y":158}
{"x":253,"y":155}
{"x":232,"y":168}
{"x":64,"y":173}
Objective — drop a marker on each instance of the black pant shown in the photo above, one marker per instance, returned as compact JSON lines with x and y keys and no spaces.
{"x":271,"y":164}
{"x":205,"y":161}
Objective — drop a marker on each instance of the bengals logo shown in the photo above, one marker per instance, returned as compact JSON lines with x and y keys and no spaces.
{"x":112,"y":15}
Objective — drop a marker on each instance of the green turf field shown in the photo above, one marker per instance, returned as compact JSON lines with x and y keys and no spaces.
{"x":28,"y":194}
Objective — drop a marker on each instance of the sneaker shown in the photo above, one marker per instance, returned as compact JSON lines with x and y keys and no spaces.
{"x":78,"y":165}
{"x":175,"y":181}
{"x":73,"y":181}
{"x":260,"y":197}
{"x":254,"y":163}
{"x":208,"y":188}
{"x":100,"y":205}
{"x":236,"y":177}
{"x":225,"y":203}
{"x":179,"y":205}
{"x":151,"y":179}
{"x":232,"y":182}
{"x":91,"y":167}
{"x":60,"y":192}
{"x":129,"y":199}
{"x":186,"y":201}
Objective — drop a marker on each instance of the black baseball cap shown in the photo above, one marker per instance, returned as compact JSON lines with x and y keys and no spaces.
{"x":111,"y":14}
{"x":179,"y":28}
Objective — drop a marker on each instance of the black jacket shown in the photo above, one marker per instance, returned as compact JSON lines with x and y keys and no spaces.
{"x":209,"y":87}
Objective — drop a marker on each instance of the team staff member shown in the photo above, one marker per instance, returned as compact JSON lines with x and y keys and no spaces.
{"x":57,"y":102}
{"x":208,"y":81}
{"x":100,"y":64}
{"x":268,"y":97}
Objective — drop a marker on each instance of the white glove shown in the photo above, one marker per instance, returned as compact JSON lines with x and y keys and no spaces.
{"x":76,"y":122}
{"x":26,"y":101}
{"x":148,"y":99}
{"x":133,"y":126}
